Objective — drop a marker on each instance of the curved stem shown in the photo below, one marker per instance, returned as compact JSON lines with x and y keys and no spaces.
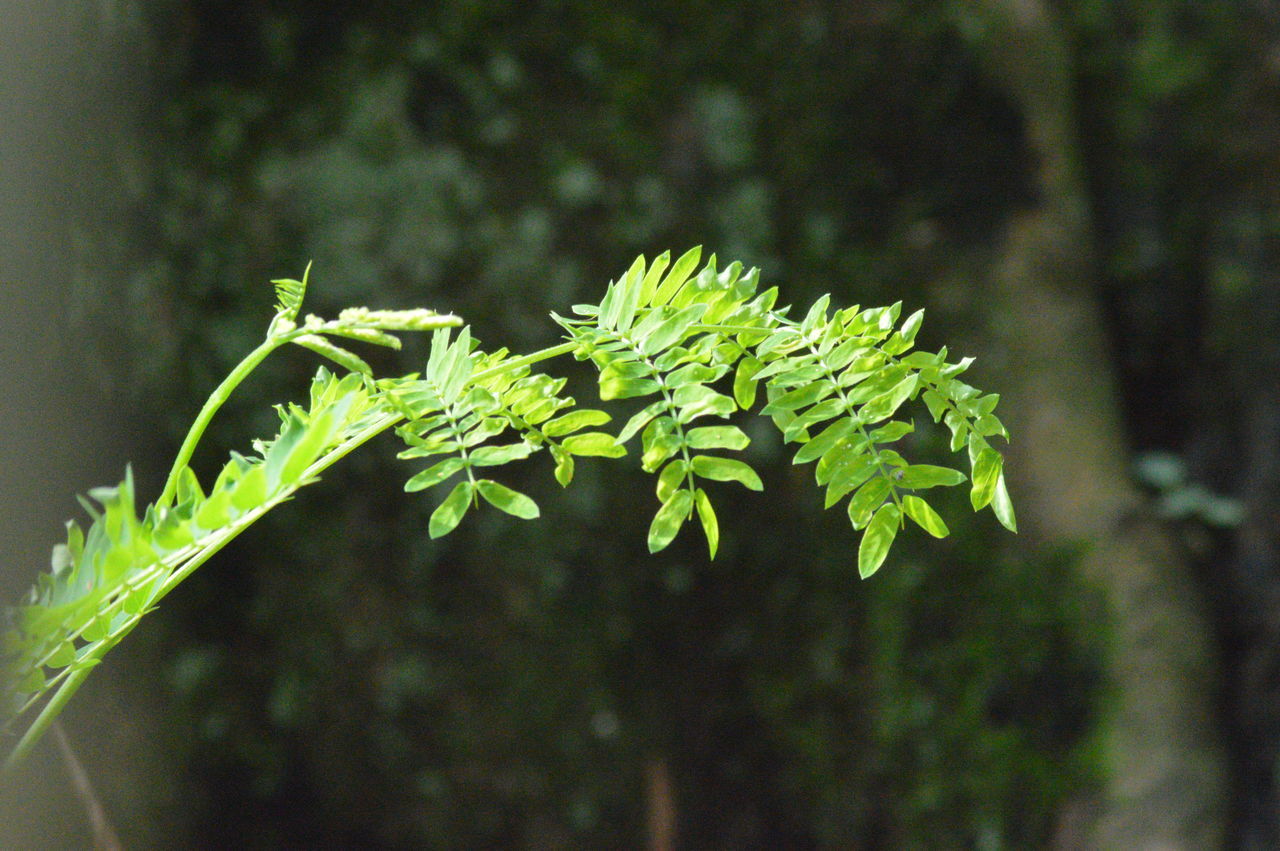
{"x":211,"y":406}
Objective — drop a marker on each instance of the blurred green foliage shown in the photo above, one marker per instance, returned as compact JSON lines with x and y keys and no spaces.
{"x":345,"y":681}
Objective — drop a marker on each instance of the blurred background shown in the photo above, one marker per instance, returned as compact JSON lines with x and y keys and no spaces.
{"x":1081,"y":193}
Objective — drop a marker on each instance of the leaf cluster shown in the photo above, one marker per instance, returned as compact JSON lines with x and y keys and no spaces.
{"x":699,"y":346}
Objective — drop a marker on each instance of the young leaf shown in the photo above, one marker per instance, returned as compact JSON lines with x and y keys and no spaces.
{"x":921,"y":512}
{"x":492,"y":456}
{"x":876,"y":541}
{"x":667,"y":522}
{"x":449,"y":513}
{"x":1003,"y":506}
{"x":505,"y":499}
{"x":434,"y":474}
{"x":744,"y":383}
{"x":921,"y":476}
{"x":718,"y":437}
{"x":707,"y":514}
{"x":573,"y":421}
{"x":986,"y":475}
{"x":337,"y":354}
{"x":727,"y":470}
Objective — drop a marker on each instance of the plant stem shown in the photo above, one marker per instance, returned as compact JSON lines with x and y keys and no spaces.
{"x":211,"y":406}
{"x":104,"y":837}
{"x":526,"y":360}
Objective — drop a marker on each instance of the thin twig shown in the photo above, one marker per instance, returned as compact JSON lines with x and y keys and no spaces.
{"x":104,"y":837}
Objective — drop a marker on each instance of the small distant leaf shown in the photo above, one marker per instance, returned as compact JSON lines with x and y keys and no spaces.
{"x":718,"y":437}
{"x":449,"y":513}
{"x":727,"y":470}
{"x":594,"y":443}
{"x":434,"y":474}
{"x":707,"y":514}
{"x":573,"y":421}
{"x":1003,"y":506}
{"x":911,"y":325}
{"x":505,"y":499}
{"x":921,"y":512}
{"x":667,"y":522}
{"x":876,"y":541}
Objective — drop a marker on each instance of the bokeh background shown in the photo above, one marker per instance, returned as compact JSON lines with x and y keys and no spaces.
{"x":1081,"y":193}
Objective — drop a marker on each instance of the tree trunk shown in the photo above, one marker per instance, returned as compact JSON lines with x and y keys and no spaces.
{"x":1069,"y":467}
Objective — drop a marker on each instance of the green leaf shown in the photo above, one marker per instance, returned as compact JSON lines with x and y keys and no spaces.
{"x":63,"y":656}
{"x":824,"y":440}
{"x":884,"y":405}
{"x":876,"y":541}
{"x":727,"y":470}
{"x":449,"y":513}
{"x":505,"y":499}
{"x":672,"y":330}
{"x":986,"y":475}
{"x":744,"y":383}
{"x":889,"y":432}
{"x":800,"y":398}
{"x":920,"y":476}
{"x":718,"y":437}
{"x":337,"y":354}
{"x":640,"y":420}
{"x":627,"y":388}
{"x":289,"y":294}
{"x":594,"y":443}
{"x":573,"y":421}
{"x":492,"y":456}
{"x":707,"y":514}
{"x":434,"y":474}
{"x":251,"y":490}
{"x":667,"y":522}
{"x":867,"y":499}
{"x":564,"y":465}
{"x":676,"y":278}
{"x":671,"y":478}
{"x":921,"y":512}
{"x":911,"y":326}
{"x":1003,"y":506}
